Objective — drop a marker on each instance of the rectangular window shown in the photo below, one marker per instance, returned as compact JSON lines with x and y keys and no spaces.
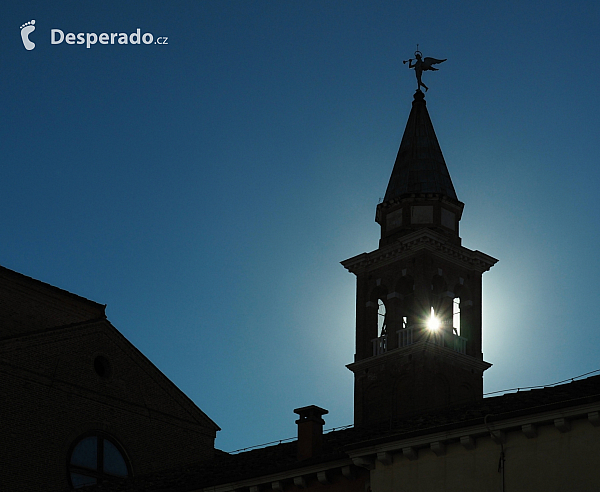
{"x":448,"y":219}
{"x":421,"y":214}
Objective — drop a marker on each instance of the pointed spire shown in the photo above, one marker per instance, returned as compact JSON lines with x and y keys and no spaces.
{"x":420,"y":165}
{"x":420,"y":193}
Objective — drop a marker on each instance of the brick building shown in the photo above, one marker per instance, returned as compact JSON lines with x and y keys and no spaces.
{"x":78,"y":401}
{"x":421,"y":421}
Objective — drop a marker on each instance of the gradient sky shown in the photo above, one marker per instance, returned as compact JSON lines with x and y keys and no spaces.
{"x":206,"y":190}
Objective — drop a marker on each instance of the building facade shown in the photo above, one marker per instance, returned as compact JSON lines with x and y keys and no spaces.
{"x":79,"y":404}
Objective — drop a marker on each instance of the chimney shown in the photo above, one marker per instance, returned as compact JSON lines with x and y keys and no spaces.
{"x":310,"y":431}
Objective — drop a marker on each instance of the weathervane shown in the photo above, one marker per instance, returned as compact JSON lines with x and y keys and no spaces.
{"x":422,"y":64}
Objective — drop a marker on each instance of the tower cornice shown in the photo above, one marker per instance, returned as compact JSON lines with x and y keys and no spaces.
{"x":421,"y":347}
{"x":424,"y":239}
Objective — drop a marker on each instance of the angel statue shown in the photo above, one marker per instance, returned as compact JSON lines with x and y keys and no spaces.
{"x":422,"y":64}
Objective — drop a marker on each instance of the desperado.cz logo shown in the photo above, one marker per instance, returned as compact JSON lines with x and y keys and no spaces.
{"x":57,"y":36}
{"x":90,"y":38}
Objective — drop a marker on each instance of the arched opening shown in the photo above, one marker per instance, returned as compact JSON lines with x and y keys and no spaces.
{"x":380,"y":343}
{"x":440,"y":304}
{"x":404,"y":312}
{"x":462,"y":319}
{"x":381,"y":318}
{"x":433,"y":322}
{"x":376,"y":320}
{"x":456,"y":315}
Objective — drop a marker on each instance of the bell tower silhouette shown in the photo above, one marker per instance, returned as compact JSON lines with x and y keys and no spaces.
{"x":418,"y":299}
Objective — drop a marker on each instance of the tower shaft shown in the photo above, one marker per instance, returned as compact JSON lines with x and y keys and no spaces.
{"x":419,"y":269}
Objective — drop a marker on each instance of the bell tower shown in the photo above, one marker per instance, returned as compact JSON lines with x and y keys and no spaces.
{"x":418,"y":296}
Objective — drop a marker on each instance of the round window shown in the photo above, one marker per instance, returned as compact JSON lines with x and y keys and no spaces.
{"x":95,"y":458}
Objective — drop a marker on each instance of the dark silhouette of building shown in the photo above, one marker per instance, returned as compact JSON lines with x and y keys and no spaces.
{"x":420,"y":269}
{"x":80,"y":404}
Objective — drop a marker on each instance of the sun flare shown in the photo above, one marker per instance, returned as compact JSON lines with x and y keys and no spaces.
{"x":433,"y":322}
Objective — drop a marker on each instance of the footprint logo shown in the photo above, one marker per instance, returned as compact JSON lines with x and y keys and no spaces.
{"x":26,"y":30}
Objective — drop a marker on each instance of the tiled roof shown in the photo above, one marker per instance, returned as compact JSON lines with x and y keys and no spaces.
{"x":39,"y":285}
{"x":226,"y":468}
{"x":28,"y":305}
{"x":496,"y":408}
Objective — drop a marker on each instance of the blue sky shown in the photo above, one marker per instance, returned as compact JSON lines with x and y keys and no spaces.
{"x":206,"y":190}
